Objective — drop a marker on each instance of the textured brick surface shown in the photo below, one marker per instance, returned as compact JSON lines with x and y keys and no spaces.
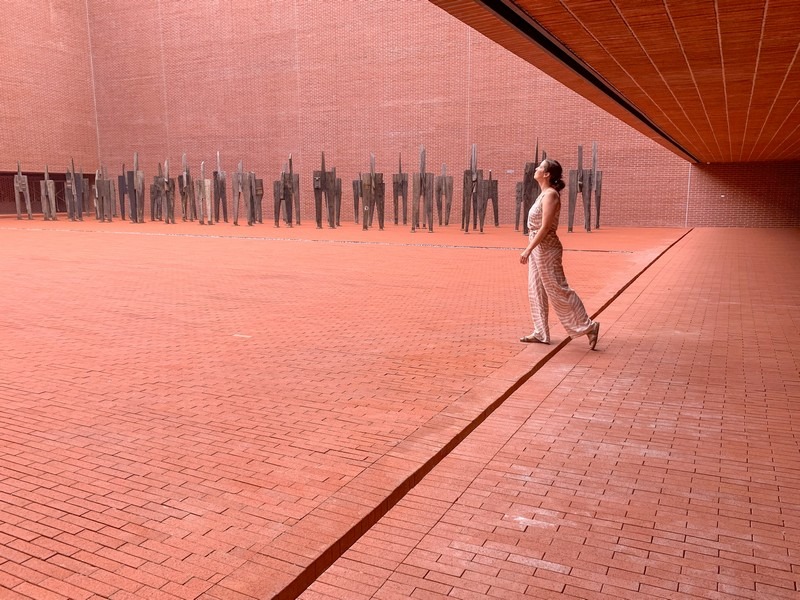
{"x":47,"y":112}
{"x":197,"y":412}
{"x":663,"y":465}
{"x":258,"y":81}
{"x":396,"y":75}
{"x":752,"y":195}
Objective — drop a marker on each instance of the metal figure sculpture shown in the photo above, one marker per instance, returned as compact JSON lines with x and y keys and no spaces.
{"x":96,"y":194}
{"x":400,"y":190}
{"x":85,"y":190}
{"x":374,"y":190}
{"x":186,"y":190}
{"x":73,"y":190}
{"x":422,"y":190}
{"x":112,"y":195}
{"x":487,"y":191}
{"x":250,"y":197}
{"x":257,"y":196}
{"x":114,"y":182}
{"x":135,"y":189}
{"x":47,"y":187}
{"x":494,"y":196}
{"x":358,"y":194}
{"x":444,"y":195}
{"x":472,"y":186}
{"x":139,"y":188}
{"x":598,"y":185}
{"x":109,"y":195}
{"x":517,"y":204}
{"x":157,"y":195}
{"x":69,"y":194}
{"x":21,"y":191}
{"x":478,"y":201}
{"x":325,"y":183}
{"x":168,"y":195}
{"x":584,"y":184}
{"x":530,"y":187}
{"x":204,"y":194}
{"x":320,"y":188}
{"x":589,"y":177}
{"x":296,"y":195}
{"x":581,"y":182}
{"x":240,"y":189}
{"x":122,"y":189}
{"x":284,"y":194}
{"x":337,"y":196}
{"x":277,"y":197}
{"x":103,"y":196}
{"x":220,"y":193}
{"x":291,"y":184}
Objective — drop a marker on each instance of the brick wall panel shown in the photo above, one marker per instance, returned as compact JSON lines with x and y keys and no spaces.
{"x":46,"y":107}
{"x":260,"y":80}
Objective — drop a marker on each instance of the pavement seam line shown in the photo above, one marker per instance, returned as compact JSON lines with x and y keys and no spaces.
{"x":218,"y":236}
{"x":319,"y":565}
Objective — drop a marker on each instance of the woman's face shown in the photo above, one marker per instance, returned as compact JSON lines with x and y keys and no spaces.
{"x":541,"y":174}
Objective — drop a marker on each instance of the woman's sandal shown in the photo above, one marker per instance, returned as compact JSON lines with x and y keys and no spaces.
{"x":532,"y":339}
{"x":593,"y":334}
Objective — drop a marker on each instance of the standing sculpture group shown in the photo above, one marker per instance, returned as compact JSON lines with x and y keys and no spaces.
{"x":425,"y":191}
{"x":581,"y":181}
{"x":477,"y":194}
{"x":201,"y":199}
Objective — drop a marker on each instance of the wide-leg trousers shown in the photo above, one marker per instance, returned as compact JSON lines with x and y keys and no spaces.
{"x":548,"y":284}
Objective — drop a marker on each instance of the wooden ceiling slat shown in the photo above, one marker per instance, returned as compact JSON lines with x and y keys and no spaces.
{"x":676,"y":88}
{"x":600,"y":33}
{"x":790,"y":147}
{"x":740,"y":27}
{"x":782,"y":120}
{"x":777,"y":84}
{"x":702,"y":71}
{"x":695,"y":25}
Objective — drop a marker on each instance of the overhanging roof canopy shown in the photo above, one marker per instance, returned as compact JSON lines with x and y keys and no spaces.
{"x":711,"y":80}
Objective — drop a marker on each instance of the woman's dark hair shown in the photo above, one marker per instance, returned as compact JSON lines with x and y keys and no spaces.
{"x":554,"y":168}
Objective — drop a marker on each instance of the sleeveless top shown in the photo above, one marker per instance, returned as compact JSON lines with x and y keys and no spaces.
{"x":535,"y":223}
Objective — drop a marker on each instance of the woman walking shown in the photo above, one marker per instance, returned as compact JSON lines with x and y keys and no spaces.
{"x":543,"y":254}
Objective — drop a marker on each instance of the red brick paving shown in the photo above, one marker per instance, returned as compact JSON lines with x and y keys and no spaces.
{"x":665,"y":465}
{"x":203,"y":414}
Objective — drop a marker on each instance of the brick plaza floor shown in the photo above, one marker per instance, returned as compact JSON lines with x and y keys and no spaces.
{"x":249,"y":412}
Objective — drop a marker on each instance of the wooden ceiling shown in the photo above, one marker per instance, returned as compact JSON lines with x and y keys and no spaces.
{"x":711,"y":80}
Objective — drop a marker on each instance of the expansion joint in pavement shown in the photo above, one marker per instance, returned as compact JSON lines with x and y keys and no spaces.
{"x":319,"y":565}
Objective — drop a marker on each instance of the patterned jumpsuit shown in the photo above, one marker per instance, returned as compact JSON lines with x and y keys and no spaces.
{"x":546,"y":281}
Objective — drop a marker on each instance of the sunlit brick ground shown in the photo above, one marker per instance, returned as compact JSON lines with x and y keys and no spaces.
{"x":218,"y":412}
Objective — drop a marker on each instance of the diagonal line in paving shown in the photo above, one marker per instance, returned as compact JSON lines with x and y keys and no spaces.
{"x":663,"y":466}
{"x":449,"y":428}
{"x":142,"y":458}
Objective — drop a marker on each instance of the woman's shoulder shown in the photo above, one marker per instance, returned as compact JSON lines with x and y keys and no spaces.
{"x":551,"y":195}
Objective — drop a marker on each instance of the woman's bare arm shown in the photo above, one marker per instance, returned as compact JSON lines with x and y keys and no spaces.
{"x":550,"y":203}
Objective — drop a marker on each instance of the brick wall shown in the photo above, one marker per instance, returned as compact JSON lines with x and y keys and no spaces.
{"x":260,"y":80}
{"x":260,"y":84}
{"x":47,"y":112}
{"x":744,"y":195}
